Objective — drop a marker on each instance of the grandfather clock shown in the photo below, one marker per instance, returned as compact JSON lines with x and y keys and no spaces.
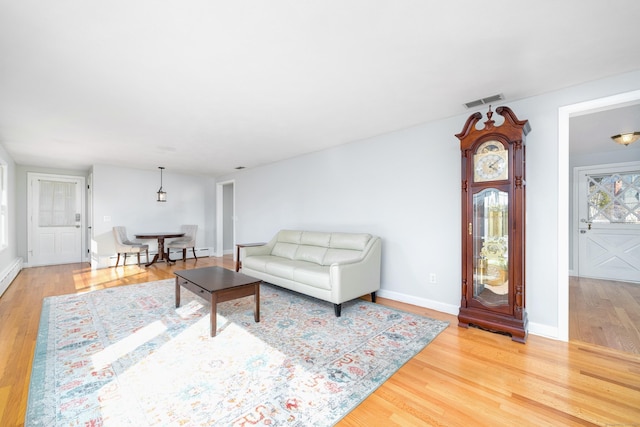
{"x":493,"y":224}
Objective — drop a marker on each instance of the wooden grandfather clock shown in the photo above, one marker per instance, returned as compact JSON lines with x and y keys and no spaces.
{"x":493,"y":224}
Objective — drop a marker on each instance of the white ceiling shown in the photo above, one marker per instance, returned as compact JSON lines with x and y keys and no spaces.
{"x":591,"y":133}
{"x":203,"y":86}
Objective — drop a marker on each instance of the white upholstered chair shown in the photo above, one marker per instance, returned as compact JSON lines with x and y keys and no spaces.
{"x":125,"y":246}
{"x":185,"y":242}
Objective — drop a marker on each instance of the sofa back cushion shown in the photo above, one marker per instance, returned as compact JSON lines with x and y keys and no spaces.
{"x":320,"y":248}
{"x":289,"y":236}
{"x":284,"y":250}
{"x":310,"y":253}
{"x":315,"y":238}
{"x":340,"y":255}
{"x":354,"y":241}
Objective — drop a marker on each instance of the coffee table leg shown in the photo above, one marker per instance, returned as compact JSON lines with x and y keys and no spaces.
{"x":214,"y":311}
{"x":256,"y":296}
{"x":177,"y":293}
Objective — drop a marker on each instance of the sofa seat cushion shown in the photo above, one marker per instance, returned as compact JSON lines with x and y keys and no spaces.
{"x":281,"y":267}
{"x":270,"y":264}
{"x":312,"y":274}
{"x":308,"y":273}
{"x":257,"y":262}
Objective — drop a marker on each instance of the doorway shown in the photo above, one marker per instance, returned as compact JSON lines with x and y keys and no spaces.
{"x":56,"y":220}
{"x":563,"y":220}
{"x":225,"y":218}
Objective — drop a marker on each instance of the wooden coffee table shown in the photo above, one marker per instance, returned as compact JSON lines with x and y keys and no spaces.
{"x":219,"y":285}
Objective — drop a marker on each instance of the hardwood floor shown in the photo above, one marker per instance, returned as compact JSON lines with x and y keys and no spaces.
{"x":605,"y":313}
{"x":465,"y":377}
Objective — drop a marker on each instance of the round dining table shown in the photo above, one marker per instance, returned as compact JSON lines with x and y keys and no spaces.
{"x":160,"y":256}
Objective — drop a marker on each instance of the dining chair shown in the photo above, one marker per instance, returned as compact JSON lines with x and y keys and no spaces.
{"x":185,"y":242}
{"x":125,"y":246}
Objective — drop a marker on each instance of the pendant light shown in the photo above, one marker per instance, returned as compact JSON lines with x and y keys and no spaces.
{"x":162,"y":195}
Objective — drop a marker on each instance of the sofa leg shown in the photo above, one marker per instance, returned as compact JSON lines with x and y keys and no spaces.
{"x":373,"y":297}
{"x":337,"y":308}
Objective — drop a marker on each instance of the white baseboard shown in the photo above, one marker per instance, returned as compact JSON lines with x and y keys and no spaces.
{"x":420,"y":302}
{"x":10,"y":273}
{"x":533,"y":328}
{"x":177,"y":253}
{"x":546,"y":331}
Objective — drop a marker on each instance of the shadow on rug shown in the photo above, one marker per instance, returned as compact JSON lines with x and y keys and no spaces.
{"x":127,"y":356}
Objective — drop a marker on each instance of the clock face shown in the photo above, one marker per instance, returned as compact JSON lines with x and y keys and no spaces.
{"x":490,"y":162}
{"x":491,"y":166}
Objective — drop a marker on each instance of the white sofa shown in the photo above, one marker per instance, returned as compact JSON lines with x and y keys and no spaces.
{"x":335,"y":267}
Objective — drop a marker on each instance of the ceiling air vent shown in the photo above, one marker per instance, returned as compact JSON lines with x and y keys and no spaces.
{"x":482,"y":101}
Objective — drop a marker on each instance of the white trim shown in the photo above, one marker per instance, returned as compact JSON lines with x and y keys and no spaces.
{"x":533,"y":328}
{"x":564,"y":114}
{"x":542,"y":330}
{"x":219,"y":216}
{"x":420,"y":302}
{"x":9,"y":274}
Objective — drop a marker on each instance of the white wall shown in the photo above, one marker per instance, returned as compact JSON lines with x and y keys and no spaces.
{"x":9,"y":255}
{"x":127,"y":197}
{"x":405,"y":187}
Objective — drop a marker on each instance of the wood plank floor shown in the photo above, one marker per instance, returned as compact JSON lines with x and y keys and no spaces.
{"x":465,"y":377}
{"x":605,"y":312}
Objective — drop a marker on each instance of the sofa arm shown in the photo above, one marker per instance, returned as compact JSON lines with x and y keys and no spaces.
{"x":353,"y":279}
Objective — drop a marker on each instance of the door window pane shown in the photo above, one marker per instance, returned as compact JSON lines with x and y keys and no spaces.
{"x":57,"y":204}
{"x":614,"y":198}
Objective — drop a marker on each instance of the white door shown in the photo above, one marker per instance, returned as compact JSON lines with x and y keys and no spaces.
{"x":56,"y":223}
{"x":609,"y":222}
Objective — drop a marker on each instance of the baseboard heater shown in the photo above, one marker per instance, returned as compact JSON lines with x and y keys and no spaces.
{"x":10,"y":273}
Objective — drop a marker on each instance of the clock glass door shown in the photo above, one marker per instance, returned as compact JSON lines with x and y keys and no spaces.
{"x":490,"y":247}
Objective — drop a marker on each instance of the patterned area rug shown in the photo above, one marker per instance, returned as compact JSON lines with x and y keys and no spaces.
{"x":127,"y":357}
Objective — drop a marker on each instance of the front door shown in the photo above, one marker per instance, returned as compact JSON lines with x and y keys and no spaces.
{"x":609,"y":222}
{"x":56,"y":220}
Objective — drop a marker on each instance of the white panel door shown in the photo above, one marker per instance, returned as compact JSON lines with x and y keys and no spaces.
{"x":609,"y":223}
{"x":56,"y":231}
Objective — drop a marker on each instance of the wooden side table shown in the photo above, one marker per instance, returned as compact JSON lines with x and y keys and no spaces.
{"x":244,"y":245}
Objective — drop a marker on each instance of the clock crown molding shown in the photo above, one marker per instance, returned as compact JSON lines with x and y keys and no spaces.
{"x":512,"y":128}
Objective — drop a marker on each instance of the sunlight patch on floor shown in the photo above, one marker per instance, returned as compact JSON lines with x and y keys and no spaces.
{"x":128,"y":344}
